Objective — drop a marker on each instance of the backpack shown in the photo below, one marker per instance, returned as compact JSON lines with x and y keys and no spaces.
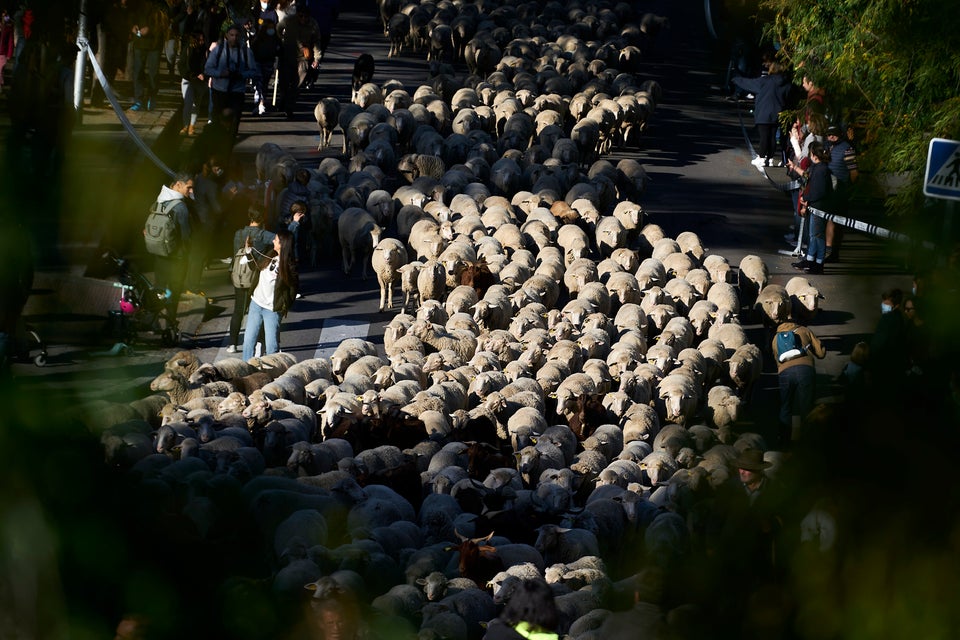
{"x":789,"y":346}
{"x":242,"y":274}
{"x":161,"y":233}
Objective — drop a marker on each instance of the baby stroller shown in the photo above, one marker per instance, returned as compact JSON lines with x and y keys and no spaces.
{"x":141,"y":306}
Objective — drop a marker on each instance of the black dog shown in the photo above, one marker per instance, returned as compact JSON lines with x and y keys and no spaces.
{"x":362,"y":73}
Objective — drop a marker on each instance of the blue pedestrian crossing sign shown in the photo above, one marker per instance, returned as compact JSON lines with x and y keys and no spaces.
{"x":942,"y":178}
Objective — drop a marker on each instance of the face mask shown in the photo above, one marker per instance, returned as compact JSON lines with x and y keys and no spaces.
{"x":264,"y":5}
{"x":192,"y":195}
{"x":913,"y":290}
{"x":885,"y":308}
{"x":217,"y":171}
{"x":270,"y":32}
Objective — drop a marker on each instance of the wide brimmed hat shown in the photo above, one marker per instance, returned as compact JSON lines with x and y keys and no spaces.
{"x":751,"y":460}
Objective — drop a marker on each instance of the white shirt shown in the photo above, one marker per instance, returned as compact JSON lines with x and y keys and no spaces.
{"x":263,"y":293}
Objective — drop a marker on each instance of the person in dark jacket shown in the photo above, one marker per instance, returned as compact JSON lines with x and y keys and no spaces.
{"x":531,"y":613}
{"x":266,"y":47}
{"x":192,"y":82}
{"x":771,"y":93}
{"x":818,"y":190}
{"x":274,"y":291}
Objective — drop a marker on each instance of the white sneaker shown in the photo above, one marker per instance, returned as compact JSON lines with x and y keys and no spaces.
{"x":262,"y":109}
{"x":232,"y":349}
{"x":758,"y":161}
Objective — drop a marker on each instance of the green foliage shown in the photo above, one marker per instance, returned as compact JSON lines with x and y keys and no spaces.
{"x":892,"y":67}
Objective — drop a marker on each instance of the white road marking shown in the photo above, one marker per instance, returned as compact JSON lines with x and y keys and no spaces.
{"x":333,"y":334}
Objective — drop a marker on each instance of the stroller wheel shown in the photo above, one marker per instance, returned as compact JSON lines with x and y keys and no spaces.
{"x":170,"y":337}
{"x":40,"y":359}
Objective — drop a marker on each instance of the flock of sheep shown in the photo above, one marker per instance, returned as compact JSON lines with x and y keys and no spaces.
{"x":550,"y":415}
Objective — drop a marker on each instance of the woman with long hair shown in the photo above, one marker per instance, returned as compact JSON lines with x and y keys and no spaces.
{"x":274,"y":290}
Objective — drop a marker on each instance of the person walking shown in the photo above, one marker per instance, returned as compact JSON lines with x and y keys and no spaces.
{"x":190,"y":65}
{"x":266,"y":48}
{"x":148,"y":30}
{"x":300,"y":38}
{"x":771,"y":93}
{"x":229,"y":66}
{"x":816,"y":193}
{"x":274,"y":291}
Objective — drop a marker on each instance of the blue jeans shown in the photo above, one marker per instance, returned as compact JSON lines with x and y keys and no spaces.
{"x":270,"y":320}
{"x":796,"y":391}
{"x":817,"y":249}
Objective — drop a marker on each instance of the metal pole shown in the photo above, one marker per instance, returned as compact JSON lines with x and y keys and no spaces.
{"x":80,"y":65}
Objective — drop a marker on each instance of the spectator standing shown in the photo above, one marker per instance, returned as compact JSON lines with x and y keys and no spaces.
{"x":796,"y":371}
{"x":148,"y":38}
{"x":300,"y":38}
{"x":801,"y":137}
{"x":266,"y":48}
{"x":263,"y":11}
{"x":192,"y":84}
{"x":771,"y":93}
{"x":169,"y":270}
{"x":207,"y":215}
{"x":843,"y":168}
{"x":817,"y":191}
{"x":211,"y":18}
{"x":888,"y":346}
{"x":261,"y":241}
{"x":116,"y":30}
{"x":274,"y":291}
{"x":229,"y":65}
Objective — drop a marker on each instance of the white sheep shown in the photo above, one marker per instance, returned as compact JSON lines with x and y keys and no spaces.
{"x":349,"y":351}
{"x":746,"y":365}
{"x":773,"y":304}
{"x":680,"y":398}
{"x":804,"y":297}
{"x":723,"y":406}
{"x":431,"y":282}
{"x":730,"y":334}
{"x":388,"y":257}
{"x":725,"y":296}
{"x":753,"y":276}
{"x":718,"y":267}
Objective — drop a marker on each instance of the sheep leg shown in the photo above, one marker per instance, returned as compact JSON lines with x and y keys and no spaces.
{"x":347,"y":259}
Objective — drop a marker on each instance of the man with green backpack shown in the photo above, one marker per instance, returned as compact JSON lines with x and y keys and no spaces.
{"x":166,"y":235}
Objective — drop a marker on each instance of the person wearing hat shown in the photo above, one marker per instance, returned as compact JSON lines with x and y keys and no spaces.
{"x":752,"y":507}
{"x":843,"y":167}
{"x":750,"y":465}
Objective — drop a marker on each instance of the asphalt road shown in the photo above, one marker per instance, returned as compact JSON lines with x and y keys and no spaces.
{"x":701,"y":180}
